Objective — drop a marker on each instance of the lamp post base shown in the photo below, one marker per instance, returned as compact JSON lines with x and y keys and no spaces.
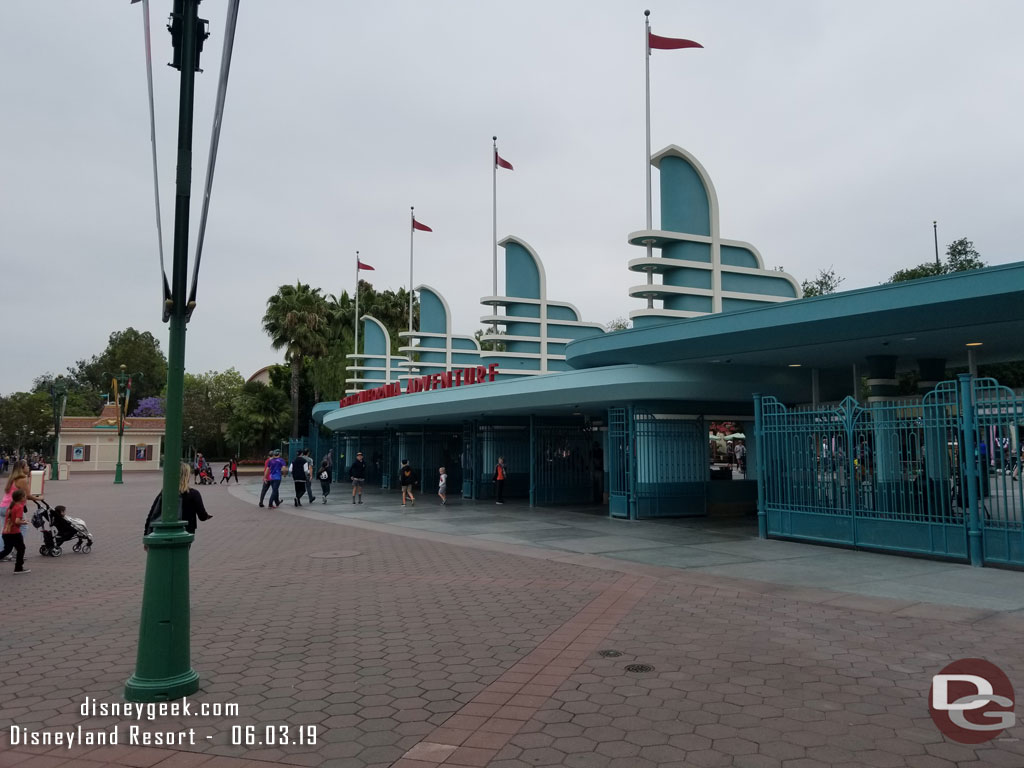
{"x":117,"y":474}
{"x":163,"y":669}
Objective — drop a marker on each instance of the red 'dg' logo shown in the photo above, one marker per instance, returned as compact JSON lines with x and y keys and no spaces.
{"x":971,"y":701}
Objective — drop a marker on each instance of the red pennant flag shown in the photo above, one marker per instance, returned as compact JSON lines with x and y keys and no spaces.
{"x":500,"y":162}
{"x":670,"y":43}
{"x":420,"y":227}
{"x":360,"y":265}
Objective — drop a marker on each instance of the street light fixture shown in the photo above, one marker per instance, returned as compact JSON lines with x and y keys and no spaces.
{"x":59,"y":396}
{"x":122,"y":381}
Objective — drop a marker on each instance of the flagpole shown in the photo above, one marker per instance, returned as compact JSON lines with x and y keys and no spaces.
{"x":647,"y":158}
{"x":355,"y":346}
{"x":494,"y":225}
{"x":412,"y":230}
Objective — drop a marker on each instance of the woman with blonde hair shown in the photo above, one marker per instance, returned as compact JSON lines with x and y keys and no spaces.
{"x":190,"y":506}
{"x":20,"y":479}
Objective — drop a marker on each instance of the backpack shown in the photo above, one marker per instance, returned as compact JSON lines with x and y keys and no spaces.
{"x":325,"y":475}
{"x":38,"y":518}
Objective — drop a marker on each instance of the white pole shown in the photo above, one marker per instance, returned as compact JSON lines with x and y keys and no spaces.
{"x":355,"y":346}
{"x":494,"y":226}
{"x":412,"y":230}
{"x":647,"y":156}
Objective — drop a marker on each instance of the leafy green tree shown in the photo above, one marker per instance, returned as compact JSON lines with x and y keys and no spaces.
{"x":960,"y":257}
{"x":83,"y":399}
{"x":26,"y":420}
{"x":296,"y":321}
{"x":138,"y":351}
{"x":208,"y":402}
{"x":825,"y":282}
{"x":618,"y":324}
{"x":259,"y":418}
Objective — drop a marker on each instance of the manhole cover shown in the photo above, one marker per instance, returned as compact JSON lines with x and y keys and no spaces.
{"x":339,"y":553}
{"x":639,"y":668}
{"x":609,"y":654}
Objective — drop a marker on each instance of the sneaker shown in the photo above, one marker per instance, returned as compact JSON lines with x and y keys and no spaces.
{"x":24,"y":570}
{"x":499,"y":502}
{"x":261,"y":503}
{"x":324,"y":500}
{"x":360,"y":501}
{"x":7,"y":559}
{"x":403,"y":503}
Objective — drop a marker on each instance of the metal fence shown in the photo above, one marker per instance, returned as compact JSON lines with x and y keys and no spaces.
{"x":916,"y":475}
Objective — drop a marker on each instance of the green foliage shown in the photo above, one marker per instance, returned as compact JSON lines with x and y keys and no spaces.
{"x":297,"y":322}
{"x":208,"y":403}
{"x":618,"y":324}
{"x":488,"y":346}
{"x":960,"y":257}
{"x":258,"y":419}
{"x":825,"y":282}
{"x":83,"y":400}
{"x":138,"y":352}
{"x":26,"y":419}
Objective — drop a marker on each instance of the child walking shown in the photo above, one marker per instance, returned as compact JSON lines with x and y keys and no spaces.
{"x":226,"y":475}
{"x":13,"y":539}
{"x":442,"y":486}
{"x":325,"y":479}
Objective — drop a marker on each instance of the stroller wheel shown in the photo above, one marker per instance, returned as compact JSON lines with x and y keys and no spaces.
{"x":86,"y":549}
{"x":56,"y":552}
{"x":42,"y":550}
{"x":77,"y":547}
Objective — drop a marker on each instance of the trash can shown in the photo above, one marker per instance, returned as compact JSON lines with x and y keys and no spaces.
{"x":63,"y":471}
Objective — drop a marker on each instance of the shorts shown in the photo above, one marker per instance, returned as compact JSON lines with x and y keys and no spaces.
{"x":357,"y":482}
{"x":442,"y":489}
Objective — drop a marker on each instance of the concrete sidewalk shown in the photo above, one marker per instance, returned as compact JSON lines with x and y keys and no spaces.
{"x":419,"y":639}
{"x":724,"y":548}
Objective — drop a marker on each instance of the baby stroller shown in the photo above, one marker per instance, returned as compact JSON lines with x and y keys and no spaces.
{"x":59,"y":529}
{"x":205,"y":475}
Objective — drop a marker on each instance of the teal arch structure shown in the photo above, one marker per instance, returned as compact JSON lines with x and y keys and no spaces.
{"x":536,"y":329}
{"x":377,"y":365}
{"x":434,"y":348}
{"x":700,"y":272}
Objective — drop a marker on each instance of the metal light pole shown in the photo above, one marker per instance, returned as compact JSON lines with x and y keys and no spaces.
{"x":163,"y":668}
{"x":935,"y":231}
{"x":59,"y":396}
{"x":123,"y":381}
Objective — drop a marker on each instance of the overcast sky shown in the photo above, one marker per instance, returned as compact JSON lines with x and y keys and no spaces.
{"x":835,"y":133}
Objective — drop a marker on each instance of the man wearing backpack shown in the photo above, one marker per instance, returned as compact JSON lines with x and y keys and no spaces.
{"x":407,"y":479}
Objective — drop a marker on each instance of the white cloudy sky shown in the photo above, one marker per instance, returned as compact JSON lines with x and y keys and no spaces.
{"x":834,"y":132}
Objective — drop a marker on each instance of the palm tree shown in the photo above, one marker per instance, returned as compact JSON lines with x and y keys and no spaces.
{"x":296,"y":321}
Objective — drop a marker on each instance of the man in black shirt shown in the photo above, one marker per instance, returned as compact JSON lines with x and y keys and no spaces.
{"x":357,"y":474}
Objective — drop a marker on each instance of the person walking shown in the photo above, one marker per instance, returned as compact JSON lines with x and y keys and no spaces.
{"x":234,"y":468}
{"x":20,"y":479}
{"x":266,"y":477}
{"x":407,"y":479}
{"x":191,"y":505}
{"x":276,"y":468}
{"x":225,"y":474}
{"x":442,"y":485}
{"x":299,"y":476}
{"x":13,"y":539}
{"x":325,"y":480}
{"x":500,"y":475}
{"x":310,"y":471}
{"x":357,"y":474}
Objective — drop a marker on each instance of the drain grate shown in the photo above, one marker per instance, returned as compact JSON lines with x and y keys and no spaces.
{"x":639,"y":668}
{"x":609,"y":654}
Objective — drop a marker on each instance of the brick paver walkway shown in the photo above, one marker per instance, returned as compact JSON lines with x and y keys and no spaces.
{"x":417,"y":650}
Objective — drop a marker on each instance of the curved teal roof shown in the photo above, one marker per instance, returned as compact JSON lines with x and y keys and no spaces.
{"x":931,"y":317}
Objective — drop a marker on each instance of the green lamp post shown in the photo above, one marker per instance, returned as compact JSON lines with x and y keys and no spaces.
{"x":59,"y":396}
{"x":163,"y":667}
{"x":121,"y":382}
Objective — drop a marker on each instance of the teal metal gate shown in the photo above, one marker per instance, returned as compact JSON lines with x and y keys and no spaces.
{"x":619,"y":462}
{"x":563,"y":465}
{"x":671,"y":465}
{"x":931,"y":476}
{"x":999,"y":414}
